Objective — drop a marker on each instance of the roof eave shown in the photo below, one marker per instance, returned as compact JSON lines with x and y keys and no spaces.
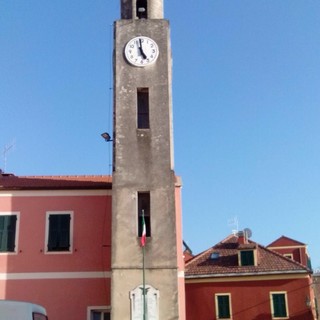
{"x":246,"y":274}
{"x":94,"y":187}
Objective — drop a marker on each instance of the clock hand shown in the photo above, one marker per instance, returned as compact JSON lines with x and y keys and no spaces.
{"x":141,"y":50}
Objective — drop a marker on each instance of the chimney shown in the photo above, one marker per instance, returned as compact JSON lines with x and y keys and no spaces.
{"x":242,"y":239}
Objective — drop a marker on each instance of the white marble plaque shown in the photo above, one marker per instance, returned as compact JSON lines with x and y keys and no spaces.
{"x":151,"y":301}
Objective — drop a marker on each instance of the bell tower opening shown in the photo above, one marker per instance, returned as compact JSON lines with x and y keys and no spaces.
{"x":142,"y":9}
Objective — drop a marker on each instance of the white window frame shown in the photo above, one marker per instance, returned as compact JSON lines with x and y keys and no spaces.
{"x":254,"y":252}
{"x":272,"y":306}
{"x":217,"y":305}
{"x":104,"y":309}
{"x":288,"y":255}
{"x":49,"y":213}
{"x":16,"y":240}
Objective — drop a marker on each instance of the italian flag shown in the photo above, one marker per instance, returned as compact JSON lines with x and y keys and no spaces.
{"x":144,"y":231}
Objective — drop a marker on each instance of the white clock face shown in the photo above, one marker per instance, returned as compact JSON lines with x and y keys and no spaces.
{"x":141,"y":51}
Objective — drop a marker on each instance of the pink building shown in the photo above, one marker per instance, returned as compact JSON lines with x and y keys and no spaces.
{"x":55,"y":244}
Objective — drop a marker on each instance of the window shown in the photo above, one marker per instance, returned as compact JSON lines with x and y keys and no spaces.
{"x":98,"y":313}
{"x":144,"y":209}
{"x":214,"y":256}
{"x":8,"y":232}
{"x":59,"y":229}
{"x":143,"y":108}
{"x":223,"y":306}
{"x":279,"y":305}
{"x":247,"y":257}
{"x":141,"y":8}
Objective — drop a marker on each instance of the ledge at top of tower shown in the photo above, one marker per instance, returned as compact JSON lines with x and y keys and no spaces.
{"x":141,"y":9}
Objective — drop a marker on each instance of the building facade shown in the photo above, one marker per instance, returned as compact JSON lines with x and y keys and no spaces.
{"x":55,"y":239}
{"x":143,"y":190}
{"x":55,"y":250}
{"x":291,"y":249}
{"x":240,"y":279}
{"x":55,"y":243}
{"x":316,"y":286}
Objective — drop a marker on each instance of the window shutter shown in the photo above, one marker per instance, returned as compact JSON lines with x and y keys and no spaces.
{"x":247,"y":258}
{"x":53,"y":232}
{"x":59,"y":232}
{"x":7,"y":233}
{"x":2,"y":233}
{"x":224,"y":307}
{"x":64,"y":235}
{"x":12,"y":222}
{"x":279,"y":305}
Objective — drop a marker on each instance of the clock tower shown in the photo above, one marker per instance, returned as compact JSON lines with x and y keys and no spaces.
{"x":147,"y":277}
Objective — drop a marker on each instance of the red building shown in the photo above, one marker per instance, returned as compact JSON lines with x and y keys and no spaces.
{"x":292,"y":249}
{"x":316,"y":286}
{"x":239,"y":279}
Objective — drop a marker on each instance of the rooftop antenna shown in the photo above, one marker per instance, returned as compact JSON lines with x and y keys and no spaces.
{"x":6,"y":149}
{"x":235,"y":224}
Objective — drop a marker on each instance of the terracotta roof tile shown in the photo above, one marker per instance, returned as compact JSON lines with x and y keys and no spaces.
{"x":12,"y":182}
{"x":269,"y":262}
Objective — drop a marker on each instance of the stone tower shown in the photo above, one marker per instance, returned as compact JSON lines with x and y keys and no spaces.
{"x":145,"y":280}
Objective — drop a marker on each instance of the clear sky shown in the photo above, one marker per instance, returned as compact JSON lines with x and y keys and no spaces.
{"x":246,"y":98}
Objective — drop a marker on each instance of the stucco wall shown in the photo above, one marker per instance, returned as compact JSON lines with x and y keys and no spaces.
{"x":64,"y":283}
{"x":249,"y":299}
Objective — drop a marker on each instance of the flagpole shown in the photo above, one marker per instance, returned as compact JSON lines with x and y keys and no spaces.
{"x":144,"y":284}
{"x":143,"y":242}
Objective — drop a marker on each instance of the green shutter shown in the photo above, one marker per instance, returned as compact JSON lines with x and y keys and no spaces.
{"x":247,"y":258}
{"x":279,"y":305}
{"x":59,"y":232}
{"x":7,"y":233}
{"x":223,"y":307}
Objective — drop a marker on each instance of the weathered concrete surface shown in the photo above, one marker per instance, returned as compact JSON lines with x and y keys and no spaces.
{"x":143,"y":161}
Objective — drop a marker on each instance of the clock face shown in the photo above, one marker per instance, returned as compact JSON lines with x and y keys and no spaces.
{"x":141,"y":51}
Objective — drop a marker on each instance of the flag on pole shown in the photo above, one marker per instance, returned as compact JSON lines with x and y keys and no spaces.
{"x":144,"y":231}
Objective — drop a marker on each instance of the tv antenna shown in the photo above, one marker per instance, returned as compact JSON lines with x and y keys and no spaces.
{"x":235,"y":224}
{"x":6,"y":149}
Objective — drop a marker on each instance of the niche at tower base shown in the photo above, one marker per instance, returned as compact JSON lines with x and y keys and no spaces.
{"x":151,"y":301}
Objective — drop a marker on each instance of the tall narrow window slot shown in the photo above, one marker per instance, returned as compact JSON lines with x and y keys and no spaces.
{"x":144,"y":211}
{"x":142,"y":9}
{"x":143,"y":108}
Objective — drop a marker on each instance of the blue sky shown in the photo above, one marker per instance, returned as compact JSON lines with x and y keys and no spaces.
{"x":246,"y":78}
